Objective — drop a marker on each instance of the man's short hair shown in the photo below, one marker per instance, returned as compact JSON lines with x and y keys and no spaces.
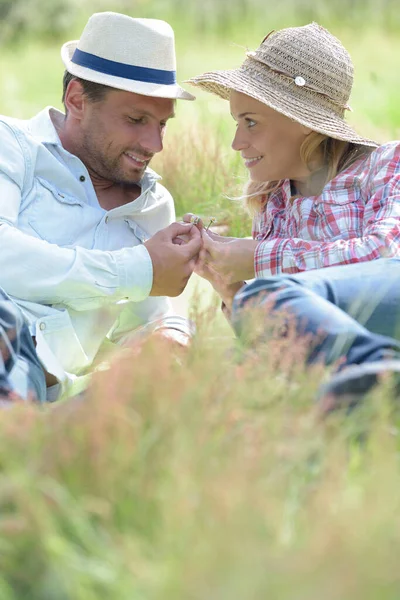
{"x":95,"y":92}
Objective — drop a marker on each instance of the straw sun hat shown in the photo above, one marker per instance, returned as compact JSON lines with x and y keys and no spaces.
{"x":304,"y":73}
{"x":135,"y":55}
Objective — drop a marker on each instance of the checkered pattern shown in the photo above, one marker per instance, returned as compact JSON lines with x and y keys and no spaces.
{"x":10,"y":325}
{"x":356,"y":218}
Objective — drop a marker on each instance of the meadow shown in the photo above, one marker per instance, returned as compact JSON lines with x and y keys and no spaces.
{"x":208,"y":475}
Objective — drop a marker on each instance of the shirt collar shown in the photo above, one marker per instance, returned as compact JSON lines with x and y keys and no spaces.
{"x":283,"y":194}
{"x":42,"y":128}
{"x":149,"y":178}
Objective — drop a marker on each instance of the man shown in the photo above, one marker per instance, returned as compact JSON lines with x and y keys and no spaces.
{"x":89,"y":247}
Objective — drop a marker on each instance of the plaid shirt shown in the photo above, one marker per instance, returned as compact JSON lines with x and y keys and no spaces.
{"x":10,"y":326}
{"x":356,"y":218}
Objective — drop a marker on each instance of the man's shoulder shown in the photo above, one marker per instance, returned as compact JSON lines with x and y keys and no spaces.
{"x":15,"y":150}
{"x":14,"y":123}
{"x":15,"y":133}
{"x":36,"y":128}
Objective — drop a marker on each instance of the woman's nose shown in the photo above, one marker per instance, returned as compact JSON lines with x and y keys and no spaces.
{"x":239,"y":141}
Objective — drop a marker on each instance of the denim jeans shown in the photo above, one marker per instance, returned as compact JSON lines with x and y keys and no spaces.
{"x":352,"y":312}
{"x":20,"y":369}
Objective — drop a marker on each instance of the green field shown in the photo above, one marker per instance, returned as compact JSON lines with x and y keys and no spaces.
{"x":209,"y":477}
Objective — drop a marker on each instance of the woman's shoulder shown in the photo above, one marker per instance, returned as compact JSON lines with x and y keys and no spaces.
{"x":386,"y":153}
{"x":382,"y":163}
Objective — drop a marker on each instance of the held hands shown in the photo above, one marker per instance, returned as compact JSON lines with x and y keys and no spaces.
{"x":221,"y":258}
{"x":173,"y":252}
{"x":182,"y":248}
{"x":226,"y":262}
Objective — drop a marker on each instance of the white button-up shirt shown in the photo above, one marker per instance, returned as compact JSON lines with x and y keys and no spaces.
{"x":77,"y":271}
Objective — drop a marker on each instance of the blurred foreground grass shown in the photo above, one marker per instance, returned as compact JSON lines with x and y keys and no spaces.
{"x":211,"y":477}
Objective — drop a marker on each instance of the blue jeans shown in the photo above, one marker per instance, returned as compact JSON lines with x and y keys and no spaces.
{"x":20,"y":369}
{"x":352,"y":312}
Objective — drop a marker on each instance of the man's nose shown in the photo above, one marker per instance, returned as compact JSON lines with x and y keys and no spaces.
{"x":152,"y":140}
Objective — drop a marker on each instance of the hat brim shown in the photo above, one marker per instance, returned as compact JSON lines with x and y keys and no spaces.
{"x":129,"y":85}
{"x":277,"y":94}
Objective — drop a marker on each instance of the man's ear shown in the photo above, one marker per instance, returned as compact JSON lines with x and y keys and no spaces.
{"x":75,"y":99}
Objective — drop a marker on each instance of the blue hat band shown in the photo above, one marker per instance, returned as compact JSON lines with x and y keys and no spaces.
{"x":116,"y":69}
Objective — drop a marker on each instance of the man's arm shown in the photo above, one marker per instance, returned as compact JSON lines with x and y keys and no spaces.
{"x":35,"y":270}
{"x":83,"y":279}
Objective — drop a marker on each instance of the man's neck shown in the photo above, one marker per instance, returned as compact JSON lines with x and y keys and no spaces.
{"x":116,"y":195}
{"x":109,"y":194}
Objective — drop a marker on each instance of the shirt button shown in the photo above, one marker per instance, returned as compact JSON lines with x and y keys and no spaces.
{"x":42,"y":326}
{"x":82,"y":178}
{"x":106,"y":219}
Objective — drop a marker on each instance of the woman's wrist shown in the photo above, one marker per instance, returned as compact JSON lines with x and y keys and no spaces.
{"x":239,"y":262}
{"x":228,"y":294}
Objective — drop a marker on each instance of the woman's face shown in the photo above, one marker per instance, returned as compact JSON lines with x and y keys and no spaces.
{"x":268,"y":141}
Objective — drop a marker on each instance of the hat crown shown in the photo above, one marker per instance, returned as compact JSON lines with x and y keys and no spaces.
{"x":313,"y":54}
{"x":146,"y":43}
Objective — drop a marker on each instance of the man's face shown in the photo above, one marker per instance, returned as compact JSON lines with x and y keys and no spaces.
{"x":121,"y":133}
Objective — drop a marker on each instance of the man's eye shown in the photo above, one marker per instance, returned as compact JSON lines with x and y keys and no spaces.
{"x":136,"y":121}
{"x":250,"y":123}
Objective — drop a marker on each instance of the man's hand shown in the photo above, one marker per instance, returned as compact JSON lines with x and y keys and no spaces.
{"x":173,"y":262}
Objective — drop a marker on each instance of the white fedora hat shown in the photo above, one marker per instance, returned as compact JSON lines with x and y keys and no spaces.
{"x":135,"y":55}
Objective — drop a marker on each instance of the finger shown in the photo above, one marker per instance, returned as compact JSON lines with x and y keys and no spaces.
{"x":176,"y":229}
{"x":187,"y":217}
{"x":204,"y":255}
{"x":178,"y":241}
{"x":193,"y":247}
{"x":195,"y":233}
{"x":192,"y":264}
{"x":208,"y":242}
{"x":194,"y":219}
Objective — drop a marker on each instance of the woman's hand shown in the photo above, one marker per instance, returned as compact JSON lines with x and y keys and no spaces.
{"x":226,"y":291}
{"x":225,"y":263}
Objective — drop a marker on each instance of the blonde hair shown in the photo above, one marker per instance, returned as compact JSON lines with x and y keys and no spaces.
{"x":336,"y":155}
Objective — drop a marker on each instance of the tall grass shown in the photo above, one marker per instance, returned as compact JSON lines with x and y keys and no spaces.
{"x":202,"y":476}
{"x":205,"y":176}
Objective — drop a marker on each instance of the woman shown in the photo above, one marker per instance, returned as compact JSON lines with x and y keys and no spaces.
{"x":320,"y":194}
